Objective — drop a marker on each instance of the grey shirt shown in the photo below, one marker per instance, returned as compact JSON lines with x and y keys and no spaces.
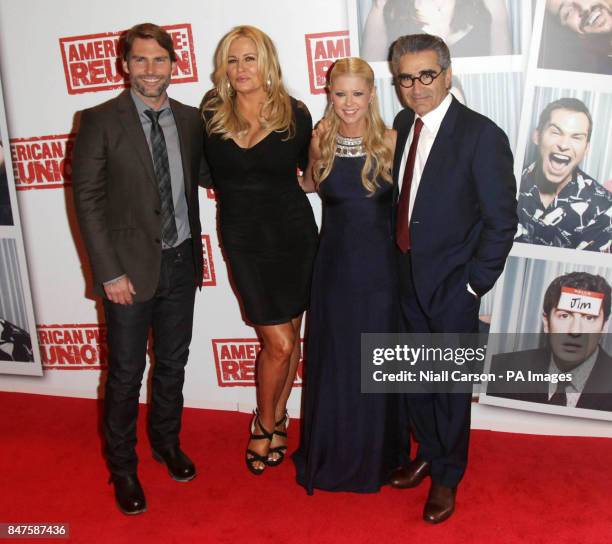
{"x":168,"y":126}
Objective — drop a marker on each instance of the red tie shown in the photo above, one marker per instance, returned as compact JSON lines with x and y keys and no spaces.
{"x":402,"y":236}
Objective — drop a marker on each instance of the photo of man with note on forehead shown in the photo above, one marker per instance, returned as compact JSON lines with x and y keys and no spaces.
{"x":575,"y":317}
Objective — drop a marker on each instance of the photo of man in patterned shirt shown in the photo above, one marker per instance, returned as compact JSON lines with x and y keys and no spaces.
{"x":560,"y":205}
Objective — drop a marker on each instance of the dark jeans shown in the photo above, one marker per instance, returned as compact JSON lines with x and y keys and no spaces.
{"x":170,"y":316}
{"x":440,"y":421}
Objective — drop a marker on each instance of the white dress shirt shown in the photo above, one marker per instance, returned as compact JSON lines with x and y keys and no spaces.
{"x":431,"y":125}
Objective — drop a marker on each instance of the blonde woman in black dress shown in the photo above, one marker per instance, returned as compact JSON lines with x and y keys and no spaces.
{"x":256,"y":138}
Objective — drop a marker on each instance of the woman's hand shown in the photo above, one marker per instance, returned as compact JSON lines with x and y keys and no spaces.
{"x":314,"y":154}
{"x":318,"y":133}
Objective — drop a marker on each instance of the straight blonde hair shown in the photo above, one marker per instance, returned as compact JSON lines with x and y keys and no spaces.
{"x":379,"y":157}
{"x":276,"y":112}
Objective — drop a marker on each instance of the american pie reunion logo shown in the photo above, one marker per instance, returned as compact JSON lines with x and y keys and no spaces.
{"x":43,"y":162}
{"x":208,"y":277}
{"x":79,"y":346}
{"x":235,"y":362}
{"x":92,"y":63}
{"x":323,"y":50}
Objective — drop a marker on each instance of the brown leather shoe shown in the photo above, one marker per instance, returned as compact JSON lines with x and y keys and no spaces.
{"x":440,"y":503}
{"x":410,"y":476}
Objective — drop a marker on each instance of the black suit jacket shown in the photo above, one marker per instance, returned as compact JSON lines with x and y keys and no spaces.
{"x":596,"y":395}
{"x":464,"y":217}
{"x":116,"y":192}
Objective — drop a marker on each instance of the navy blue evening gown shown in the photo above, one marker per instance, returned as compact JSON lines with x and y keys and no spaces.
{"x":350,"y":440}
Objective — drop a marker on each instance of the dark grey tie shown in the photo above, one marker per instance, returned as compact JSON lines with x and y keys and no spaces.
{"x":560,"y":396}
{"x":162,"y":171}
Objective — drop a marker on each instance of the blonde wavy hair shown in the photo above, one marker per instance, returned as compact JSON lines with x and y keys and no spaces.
{"x":276,"y":113}
{"x":379,"y":157}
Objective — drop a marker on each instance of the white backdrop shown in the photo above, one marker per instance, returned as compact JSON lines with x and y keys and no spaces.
{"x":41,"y":103}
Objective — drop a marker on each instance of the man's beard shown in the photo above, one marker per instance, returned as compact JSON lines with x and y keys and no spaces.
{"x":150,"y":92}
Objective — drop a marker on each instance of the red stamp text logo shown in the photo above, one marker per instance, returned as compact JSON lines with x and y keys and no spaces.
{"x":208,"y":278}
{"x":42,"y":163}
{"x":91,"y":62}
{"x":73,"y":347}
{"x":322,"y":51}
{"x":235,"y":362}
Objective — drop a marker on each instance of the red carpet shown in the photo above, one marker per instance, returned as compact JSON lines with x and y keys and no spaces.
{"x":518,"y":489}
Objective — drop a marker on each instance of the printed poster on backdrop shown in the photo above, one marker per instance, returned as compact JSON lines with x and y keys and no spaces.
{"x":18,"y":343}
{"x":489,"y":48}
{"x":541,"y":70}
{"x":553,"y":328}
{"x":77,"y":57}
{"x":558,"y":280}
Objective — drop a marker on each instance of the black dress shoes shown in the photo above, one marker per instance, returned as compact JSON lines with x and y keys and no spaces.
{"x":129,"y":494}
{"x":410,"y":476}
{"x":180,"y":467}
{"x":440,"y":503}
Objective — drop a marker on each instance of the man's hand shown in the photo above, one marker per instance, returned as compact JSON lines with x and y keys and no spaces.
{"x":120,"y":291}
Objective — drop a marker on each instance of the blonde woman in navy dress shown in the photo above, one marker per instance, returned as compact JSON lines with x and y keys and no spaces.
{"x":350,"y":441}
{"x":256,"y":138}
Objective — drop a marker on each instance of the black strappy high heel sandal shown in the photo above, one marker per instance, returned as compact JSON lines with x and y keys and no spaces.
{"x":279,"y":450}
{"x":252,"y":457}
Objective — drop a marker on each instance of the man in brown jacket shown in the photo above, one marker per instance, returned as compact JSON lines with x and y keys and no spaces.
{"x":136,"y":168}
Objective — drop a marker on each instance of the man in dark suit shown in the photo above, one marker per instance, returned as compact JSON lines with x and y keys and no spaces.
{"x":136,"y":167}
{"x":455,"y":218}
{"x":573,"y":348}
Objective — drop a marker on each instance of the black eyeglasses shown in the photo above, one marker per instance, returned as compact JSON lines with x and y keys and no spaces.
{"x":426,"y":78}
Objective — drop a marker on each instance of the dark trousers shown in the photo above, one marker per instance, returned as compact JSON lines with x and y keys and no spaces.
{"x":440,"y":421}
{"x":170,"y":316}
